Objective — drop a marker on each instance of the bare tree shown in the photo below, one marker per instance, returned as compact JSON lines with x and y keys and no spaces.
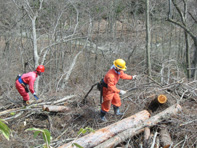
{"x":36,"y":11}
{"x":32,"y":12}
{"x":184,"y":26}
{"x":148,"y":62}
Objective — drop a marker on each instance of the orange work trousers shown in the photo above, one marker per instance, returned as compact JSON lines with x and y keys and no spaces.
{"x":109,"y":98}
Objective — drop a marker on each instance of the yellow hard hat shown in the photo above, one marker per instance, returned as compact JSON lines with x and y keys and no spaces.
{"x":120,"y":64}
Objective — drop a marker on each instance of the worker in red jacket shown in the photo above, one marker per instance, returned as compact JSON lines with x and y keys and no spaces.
{"x":28,"y":79}
{"x":111,"y":95}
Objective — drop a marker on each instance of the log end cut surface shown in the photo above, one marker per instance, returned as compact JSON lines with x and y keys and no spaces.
{"x":162,"y":99}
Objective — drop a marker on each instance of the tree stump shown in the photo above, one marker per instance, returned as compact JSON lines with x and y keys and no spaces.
{"x":158,"y":101}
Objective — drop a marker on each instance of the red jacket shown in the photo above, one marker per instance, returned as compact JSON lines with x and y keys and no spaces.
{"x":29,"y":78}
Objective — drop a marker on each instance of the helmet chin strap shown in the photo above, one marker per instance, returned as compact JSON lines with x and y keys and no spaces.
{"x":38,"y":73}
{"x":117,"y":69}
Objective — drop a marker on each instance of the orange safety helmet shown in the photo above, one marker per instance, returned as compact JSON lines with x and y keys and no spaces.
{"x":120,"y":64}
{"x":40,"y":68}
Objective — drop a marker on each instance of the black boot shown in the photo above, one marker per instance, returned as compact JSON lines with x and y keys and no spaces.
{"x":103,"y":113}
{"x":26,"y":103}
{"x":117,"y":111}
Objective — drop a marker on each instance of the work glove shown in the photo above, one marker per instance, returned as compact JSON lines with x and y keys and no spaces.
{"x":134,"y":77}
{"x":122,"y":92}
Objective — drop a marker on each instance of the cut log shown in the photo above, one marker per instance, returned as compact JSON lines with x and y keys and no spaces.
{"x":93,"y":139}
{"x":146,"y":136}
{"x":121,"y":137}
{"x":52,"y":108}
{"x":122,"y":130}
{"x":165,"y":138}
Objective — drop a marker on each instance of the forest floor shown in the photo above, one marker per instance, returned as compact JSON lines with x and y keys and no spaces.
{"x":64,"y":126}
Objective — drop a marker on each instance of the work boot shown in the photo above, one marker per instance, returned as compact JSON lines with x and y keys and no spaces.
{"x":117,"y":111}
{"x":103,"y":113}
{"x":26,"y":103}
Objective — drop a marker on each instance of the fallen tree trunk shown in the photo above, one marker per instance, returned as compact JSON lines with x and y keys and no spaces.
{"x":166,"y":140}
{"x":58,"y":101}
{"x":93,"y":139}
{"x":121,"y":137}
{"x":8,"y":111}
{"x":53,"y":108}
{"x":36,"y":105}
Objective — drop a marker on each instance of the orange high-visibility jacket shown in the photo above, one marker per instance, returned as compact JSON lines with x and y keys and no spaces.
{"x":111,"y":93}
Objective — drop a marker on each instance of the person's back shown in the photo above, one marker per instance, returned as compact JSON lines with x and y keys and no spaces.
{"x":111,"y":75}
{"x":28,"y":79}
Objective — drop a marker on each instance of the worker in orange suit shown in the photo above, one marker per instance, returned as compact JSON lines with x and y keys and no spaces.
{"x":111,"y":94}
{"x":28,"y":79}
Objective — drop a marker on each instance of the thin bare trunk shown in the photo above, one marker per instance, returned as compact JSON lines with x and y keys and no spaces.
{"x":148,"y":62}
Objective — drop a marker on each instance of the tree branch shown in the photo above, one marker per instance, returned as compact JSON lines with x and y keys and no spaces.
{"x":179,"y":11}
{"x":183,"y":27}
{"x":192,"y":17}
